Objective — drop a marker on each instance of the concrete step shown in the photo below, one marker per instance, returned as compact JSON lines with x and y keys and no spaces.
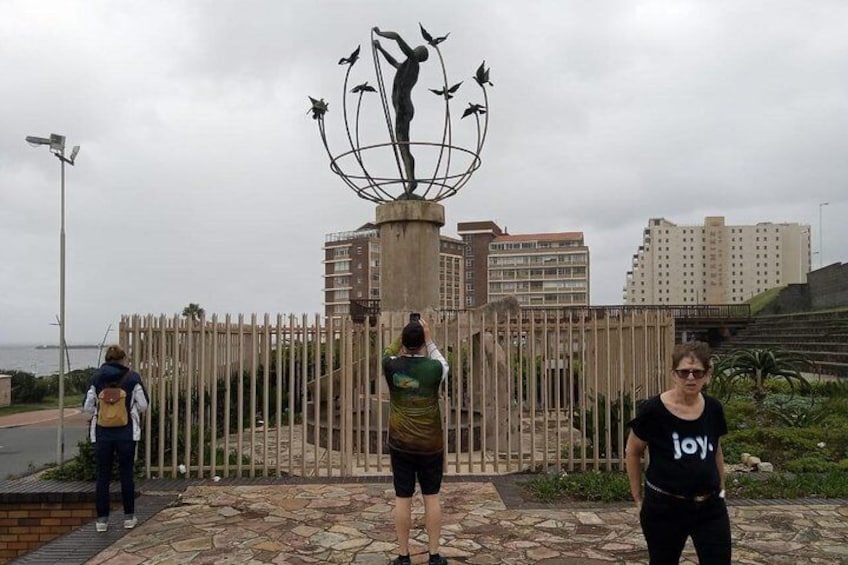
{"x":833,"y":368}
{"x":796,"y":345}
{"x":794,"y":320}
{"x":817,"y":326}
{"x":800,"y":332}
{"x":819,"y":315}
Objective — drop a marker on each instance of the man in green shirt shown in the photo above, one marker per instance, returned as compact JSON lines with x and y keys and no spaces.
{"x":415,"y":371}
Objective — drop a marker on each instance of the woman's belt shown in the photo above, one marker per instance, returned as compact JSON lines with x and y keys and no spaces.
{"x":696,"y":498}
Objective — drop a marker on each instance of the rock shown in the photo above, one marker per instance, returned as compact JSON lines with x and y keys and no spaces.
{"x":753,"y":461}
{"x":765,"y":467}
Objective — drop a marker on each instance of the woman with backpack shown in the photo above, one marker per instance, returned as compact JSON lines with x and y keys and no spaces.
{"x":117,"y":398}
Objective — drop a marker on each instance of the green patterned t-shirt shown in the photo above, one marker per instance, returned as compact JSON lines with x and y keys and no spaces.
{"x":415,"y":421}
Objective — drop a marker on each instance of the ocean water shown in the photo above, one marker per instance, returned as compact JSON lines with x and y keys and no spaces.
{"x":44,"y":361}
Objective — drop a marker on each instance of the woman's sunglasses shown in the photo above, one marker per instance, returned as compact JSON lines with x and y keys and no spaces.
{"x":684,"y":373}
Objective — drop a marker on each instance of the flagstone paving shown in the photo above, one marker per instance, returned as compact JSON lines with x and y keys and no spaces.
{"x":300,"y":524}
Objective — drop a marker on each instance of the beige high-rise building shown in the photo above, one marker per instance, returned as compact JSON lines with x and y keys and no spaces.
{"x":352,"y":270}
{"x":541,"y":270}
{"x":715,"y":263}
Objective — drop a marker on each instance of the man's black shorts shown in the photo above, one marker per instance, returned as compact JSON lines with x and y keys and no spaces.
{"x":406,"y":466}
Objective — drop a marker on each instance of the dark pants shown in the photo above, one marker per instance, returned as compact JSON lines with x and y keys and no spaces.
{"x":407,"y":466}
{"x":667,"y":522}
{"x":105,"y":450}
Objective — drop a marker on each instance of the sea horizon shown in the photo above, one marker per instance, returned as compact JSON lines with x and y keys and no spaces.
{"x":45,"y":361}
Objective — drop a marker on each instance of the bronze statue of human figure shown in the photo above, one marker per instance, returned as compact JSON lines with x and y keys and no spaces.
{"x":405,"y":78}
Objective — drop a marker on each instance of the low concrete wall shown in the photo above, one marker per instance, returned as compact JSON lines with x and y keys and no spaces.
{"x":829,"y":286}
{"x":825,"y":288}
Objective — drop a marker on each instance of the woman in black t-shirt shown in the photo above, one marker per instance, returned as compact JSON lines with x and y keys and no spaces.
{"x":684,"y":483}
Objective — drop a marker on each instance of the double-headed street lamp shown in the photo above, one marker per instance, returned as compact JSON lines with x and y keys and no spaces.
{"x":57,"y":147}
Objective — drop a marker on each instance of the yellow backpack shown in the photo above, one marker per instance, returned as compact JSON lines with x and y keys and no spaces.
{"x":112,"y":406}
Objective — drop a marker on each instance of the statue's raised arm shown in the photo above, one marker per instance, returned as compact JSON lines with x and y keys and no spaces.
{"x":392,"y":61}
{"x":407,"y":50}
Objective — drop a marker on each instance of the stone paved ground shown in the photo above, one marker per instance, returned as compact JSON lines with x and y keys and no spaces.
{"x":350,"y":523}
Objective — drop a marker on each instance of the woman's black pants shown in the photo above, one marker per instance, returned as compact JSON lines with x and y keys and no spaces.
{"x":667,"y":521}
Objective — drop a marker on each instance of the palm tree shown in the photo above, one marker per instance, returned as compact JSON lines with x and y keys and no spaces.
{"x":761,"y":365}
{"x":194,"y":311}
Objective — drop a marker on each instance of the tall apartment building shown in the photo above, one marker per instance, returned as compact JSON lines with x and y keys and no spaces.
{"x":543,"y":270}
{"x":477,"y":237}
{"x":352,"y":270}
{"x":715,"y":263}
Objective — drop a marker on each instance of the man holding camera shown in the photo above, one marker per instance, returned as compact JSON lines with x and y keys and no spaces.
{"x":415,"y":371}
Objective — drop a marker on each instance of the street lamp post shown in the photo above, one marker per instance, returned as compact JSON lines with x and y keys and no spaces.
{"x":57,"y":147}
{"x":821,"y":238}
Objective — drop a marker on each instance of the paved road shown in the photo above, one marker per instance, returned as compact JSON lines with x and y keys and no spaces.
{"x":31,"y":443}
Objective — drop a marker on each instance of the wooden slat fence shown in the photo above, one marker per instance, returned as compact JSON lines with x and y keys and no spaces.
{"x":294,"y":395}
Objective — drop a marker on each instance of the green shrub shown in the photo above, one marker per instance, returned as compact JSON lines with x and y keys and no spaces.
{"x":793,"y":411}
{"x":83,"y":467}
{"x":27,"y":388}
{"x":733,"y":450}
{"x":742,"y":414}
{"x":809,"y":465}
{"x":830,"y":389}
{"x":833,"y":412}
{"x":76,"y":382}
{"x":620,"y":414}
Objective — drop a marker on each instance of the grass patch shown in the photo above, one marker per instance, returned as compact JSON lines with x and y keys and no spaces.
{"x":832,"y":484}
{"x":614,"y":487}
{"x":800,"y":314}
{"x":50,"y":403}
{"x":593,"y":486}
{"x":763,"y":299}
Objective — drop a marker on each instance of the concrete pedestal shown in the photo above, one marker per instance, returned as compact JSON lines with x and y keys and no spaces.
{"x":409,"y":255}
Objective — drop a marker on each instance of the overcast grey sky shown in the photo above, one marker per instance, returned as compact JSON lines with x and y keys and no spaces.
{"x":202,"y":179}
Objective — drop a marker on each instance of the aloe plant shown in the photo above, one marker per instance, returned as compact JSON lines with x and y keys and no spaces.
{"x":760,"y":366}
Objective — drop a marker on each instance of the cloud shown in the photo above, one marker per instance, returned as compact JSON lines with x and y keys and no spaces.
{"x":202,"y":179}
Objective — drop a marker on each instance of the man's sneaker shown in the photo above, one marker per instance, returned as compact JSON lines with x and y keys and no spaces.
{"x":401,"y":560}
{"x":129,"y":523}
{"x":437,"y":560}
{"x":101,"y":526}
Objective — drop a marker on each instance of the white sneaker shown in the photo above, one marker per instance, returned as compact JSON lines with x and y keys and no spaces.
{"x":101,"y":526}
{"x":130,"y":523}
